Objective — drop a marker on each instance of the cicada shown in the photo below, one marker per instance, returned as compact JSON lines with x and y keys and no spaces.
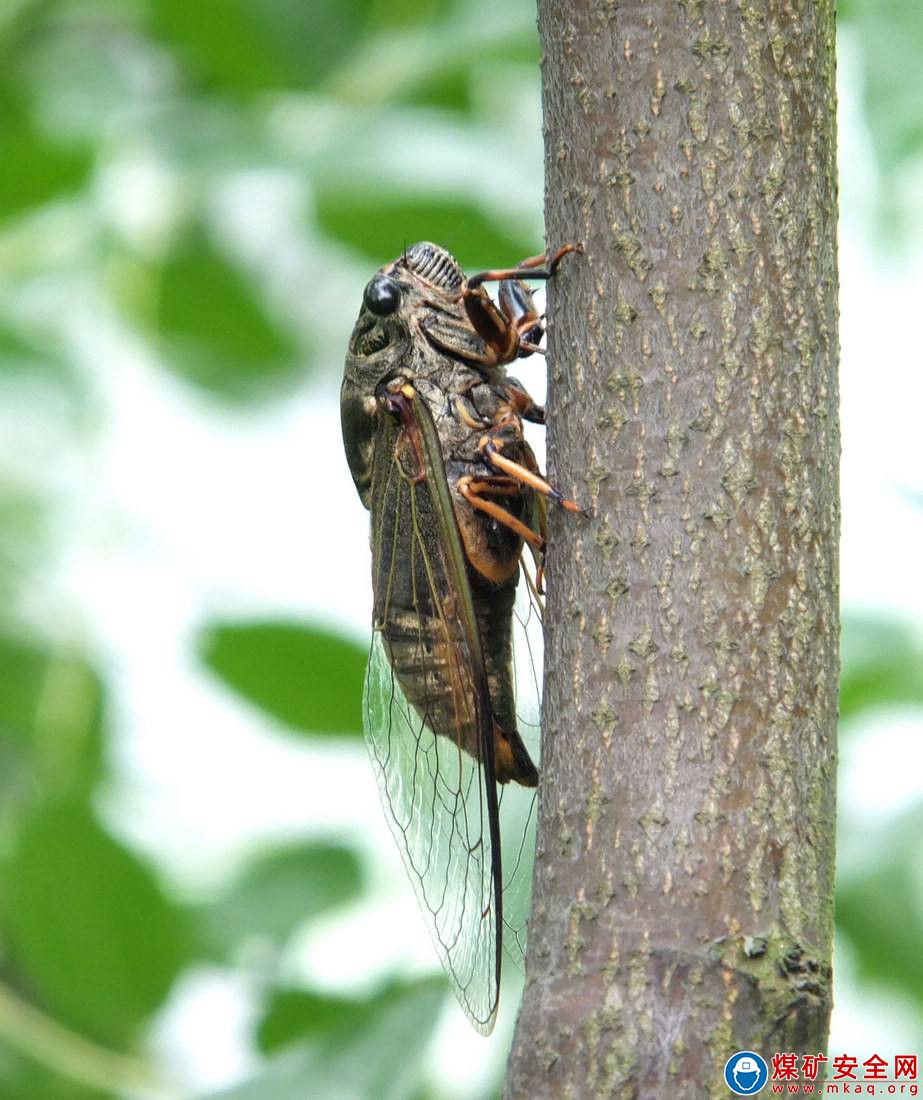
{"x":433,"y":430}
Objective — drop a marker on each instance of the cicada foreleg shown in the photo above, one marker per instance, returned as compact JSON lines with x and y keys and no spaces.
{"x":518,"y":305}
{"x":514,"y":327}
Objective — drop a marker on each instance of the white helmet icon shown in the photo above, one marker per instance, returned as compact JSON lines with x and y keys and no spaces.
{"x":746,"y":1073}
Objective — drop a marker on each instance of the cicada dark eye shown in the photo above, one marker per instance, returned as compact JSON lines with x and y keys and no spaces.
{"x":382,"y":296}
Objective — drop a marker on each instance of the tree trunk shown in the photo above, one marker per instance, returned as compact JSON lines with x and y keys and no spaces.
{"x":683,"y":893}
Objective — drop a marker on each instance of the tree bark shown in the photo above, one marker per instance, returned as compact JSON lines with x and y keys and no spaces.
{"x":683,"y":894}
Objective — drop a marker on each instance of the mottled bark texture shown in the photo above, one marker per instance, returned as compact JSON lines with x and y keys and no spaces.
{"x":683,"y":895}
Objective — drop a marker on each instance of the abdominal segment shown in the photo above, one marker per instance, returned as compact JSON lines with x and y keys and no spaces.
{"x":428,"y":655}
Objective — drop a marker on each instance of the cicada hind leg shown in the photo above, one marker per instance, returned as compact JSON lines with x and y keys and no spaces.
{"x":513,"y":476}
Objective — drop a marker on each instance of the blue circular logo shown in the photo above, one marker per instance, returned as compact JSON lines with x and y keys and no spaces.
{"x":745,"y":1073}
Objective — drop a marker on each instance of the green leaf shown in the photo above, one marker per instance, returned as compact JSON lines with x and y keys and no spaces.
{"x":378,"y":1056}
{"x":882,"y":665}
{"x":445,"y":88}
{"x":879,"y":906}
{"x":379,"y":225}
{"x":250,"y":46}
{"x":18,"y":355}
{"x":278,"y":892}
{"x":305,"y":677}
{"x":215,"y":331}
{"x":36,"y":169}
{"x":295,"y":1014}
{"x":51,"y":715}
{"x":88,"y":926}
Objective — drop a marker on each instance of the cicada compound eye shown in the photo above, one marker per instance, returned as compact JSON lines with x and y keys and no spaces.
{"x":382,"y":296}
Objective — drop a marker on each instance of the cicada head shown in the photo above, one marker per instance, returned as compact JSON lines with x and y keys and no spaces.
{"x":400,"y":289}
{"x":423,"y":281}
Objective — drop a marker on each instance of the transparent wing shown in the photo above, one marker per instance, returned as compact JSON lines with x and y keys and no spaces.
{"x":434,"y":799}
{"x":518,"y":806}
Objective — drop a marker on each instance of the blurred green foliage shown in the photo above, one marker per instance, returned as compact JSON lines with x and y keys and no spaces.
{"x":88,"y":924}
{"x":890,"y":33}
{"x":343,"y":105}
{"x":276,"y":893}
{"x":214,"y":329}
{"x":243,"y":47}
{"x":376,"y":1051}
{"x":23,"y":1078}
{"x":879,"y":910}
{"x":45,"y":167}
{"x":882,"y":665}
{"x":371,"y":223}
{"x":266,"y":662}
{"x":51,"y":717}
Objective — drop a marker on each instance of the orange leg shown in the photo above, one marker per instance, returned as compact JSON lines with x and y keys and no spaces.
{"x":537,"y":587}
{"x":491,"y":448}
{"x":469,"y":418}
{"x":471,"y":488}
{"x":495,"y":484}
{"x":527,"y":269}
{"x":512,"y":328}
{"x":523,"y":404}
